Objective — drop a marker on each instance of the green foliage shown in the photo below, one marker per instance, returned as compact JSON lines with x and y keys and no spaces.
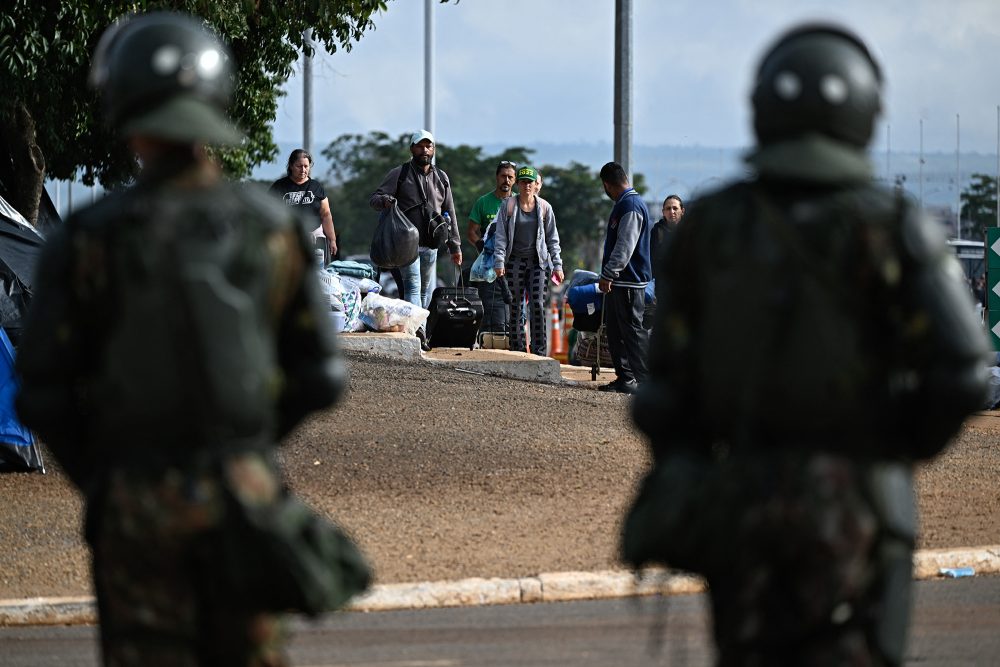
{"x":361,"y":162}
{"x":979,"y":205}
{"x":45,"y":50}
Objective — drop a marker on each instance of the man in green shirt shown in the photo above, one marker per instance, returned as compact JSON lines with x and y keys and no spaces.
{"x":482,"y":214}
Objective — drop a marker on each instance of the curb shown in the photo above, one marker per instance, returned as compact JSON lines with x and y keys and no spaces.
{"x":546,"y":587}
{"x":517,"y":366}
{"x":386,"y":345}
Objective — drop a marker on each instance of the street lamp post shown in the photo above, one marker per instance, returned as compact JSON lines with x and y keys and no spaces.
{"x":429,"y":65}
{"x":307,"y":92}
{"x":623,"y":85}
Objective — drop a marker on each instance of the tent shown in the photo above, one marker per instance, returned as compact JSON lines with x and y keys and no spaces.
{"x":18,"y":448}
{"x":20,"y":246}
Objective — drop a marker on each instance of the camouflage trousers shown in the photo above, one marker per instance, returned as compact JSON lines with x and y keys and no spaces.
{"x":812,"y":576}
{"x":160,"y":601}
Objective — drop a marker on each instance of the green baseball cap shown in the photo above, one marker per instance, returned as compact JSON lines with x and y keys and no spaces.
{"x":527,"y":174}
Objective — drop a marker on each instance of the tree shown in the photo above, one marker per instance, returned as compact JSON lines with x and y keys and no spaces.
{"x":979,"y":205}
{"x":360,"y":162}
{"x":51,"y":124}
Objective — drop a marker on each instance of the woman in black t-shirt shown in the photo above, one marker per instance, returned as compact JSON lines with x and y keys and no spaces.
{"x":298,"y":189}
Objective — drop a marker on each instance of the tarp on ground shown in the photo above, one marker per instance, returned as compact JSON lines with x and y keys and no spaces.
{"x":18,"y":448}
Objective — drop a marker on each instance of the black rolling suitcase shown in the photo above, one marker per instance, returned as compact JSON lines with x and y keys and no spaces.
{"x":456,"y":313}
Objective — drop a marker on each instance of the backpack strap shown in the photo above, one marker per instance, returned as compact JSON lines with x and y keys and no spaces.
{"x":404,"y":171}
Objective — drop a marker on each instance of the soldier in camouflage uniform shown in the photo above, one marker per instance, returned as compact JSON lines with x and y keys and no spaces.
{"x":163,"y":405}
{"x":813,"y":340}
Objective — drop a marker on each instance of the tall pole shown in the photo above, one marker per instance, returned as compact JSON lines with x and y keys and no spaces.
{"x":920,"y":166}
{"x":307,"y":92}
{"x":958,"y":175}
{"x":623,"y":85}
{"x":998,"y":165}
{"x":429,"y":66}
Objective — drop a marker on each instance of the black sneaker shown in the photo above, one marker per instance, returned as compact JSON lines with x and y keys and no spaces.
{"x":422,"y":337}
{"x":629,"y":387}
{"x":611,"y":386}
{"x":620,"y":386}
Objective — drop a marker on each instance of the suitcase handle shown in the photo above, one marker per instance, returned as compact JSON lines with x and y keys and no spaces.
{"x":464,"y":313}
{"x":467,"y":302}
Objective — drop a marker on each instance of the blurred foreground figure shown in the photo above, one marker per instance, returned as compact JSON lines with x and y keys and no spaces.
{"x":175,"y":336}
{"x":813,"y":339}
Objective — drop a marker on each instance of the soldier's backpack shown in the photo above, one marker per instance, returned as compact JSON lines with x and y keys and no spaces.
{"x":786,"y":346}
{"x":189,"y":349}
{"x":789,"y":354}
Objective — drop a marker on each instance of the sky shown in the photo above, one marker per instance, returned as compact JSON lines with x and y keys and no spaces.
{"x":525,"y":72}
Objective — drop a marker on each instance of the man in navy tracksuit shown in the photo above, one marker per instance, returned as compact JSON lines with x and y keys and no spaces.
{"x":625,"y":271}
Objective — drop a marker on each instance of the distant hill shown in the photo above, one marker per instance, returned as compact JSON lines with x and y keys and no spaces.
{"x":685,"y":170}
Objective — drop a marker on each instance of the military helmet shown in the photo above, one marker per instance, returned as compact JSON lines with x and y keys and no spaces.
{"x":166,"y":75}
{"x":817,"y":78}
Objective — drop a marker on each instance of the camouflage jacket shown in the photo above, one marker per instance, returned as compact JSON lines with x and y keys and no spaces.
{"x":809,"y":307}
{"x":75,"y":318}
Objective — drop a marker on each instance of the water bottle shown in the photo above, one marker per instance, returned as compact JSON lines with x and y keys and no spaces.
{"x":956,"y":572}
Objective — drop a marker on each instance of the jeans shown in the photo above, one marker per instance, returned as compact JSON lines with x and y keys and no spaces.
{"x":495,"y":310}
{"x":419,"y":277}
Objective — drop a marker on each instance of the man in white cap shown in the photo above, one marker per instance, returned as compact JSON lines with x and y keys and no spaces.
{"x":424,"y":195}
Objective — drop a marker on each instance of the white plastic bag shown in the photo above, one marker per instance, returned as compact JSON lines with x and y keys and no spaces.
{"x":364,"y":285}
{"x":384,"y":314}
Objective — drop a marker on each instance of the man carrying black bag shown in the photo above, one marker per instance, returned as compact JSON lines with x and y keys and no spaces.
{"x":177,"y":333}
{"x":813,"y":338}
{"x":423,"y":193}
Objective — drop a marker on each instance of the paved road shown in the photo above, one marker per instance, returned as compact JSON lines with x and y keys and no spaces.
{"x":956,"y":623}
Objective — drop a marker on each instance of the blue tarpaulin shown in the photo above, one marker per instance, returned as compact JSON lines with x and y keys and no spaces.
{"x":18,"y":449}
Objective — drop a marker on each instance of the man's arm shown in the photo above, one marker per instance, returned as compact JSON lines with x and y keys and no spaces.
{"x":385,"y":193}
{"x":629,"y":227}
{"x":666,"y":407}
{"x":474,"y":231}
{"x":454,"y":238}
{"x":944,"y":349}
{"x":50,"y":362}
{"x":313,"y":370}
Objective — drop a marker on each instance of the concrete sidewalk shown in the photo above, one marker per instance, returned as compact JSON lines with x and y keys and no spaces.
{"x":498,"y":363}
{"x":546,"y":587}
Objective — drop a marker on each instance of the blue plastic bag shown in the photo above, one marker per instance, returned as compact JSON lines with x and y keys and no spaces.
{"x":482,"y":269}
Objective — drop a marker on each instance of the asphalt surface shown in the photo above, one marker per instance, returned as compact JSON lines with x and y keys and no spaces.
{"x":955,"y":623}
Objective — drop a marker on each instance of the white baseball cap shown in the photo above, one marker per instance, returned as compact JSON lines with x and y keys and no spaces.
{"x":417,"y":137}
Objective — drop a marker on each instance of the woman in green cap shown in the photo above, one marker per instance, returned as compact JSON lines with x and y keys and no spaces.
{"x":527,"y":253}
